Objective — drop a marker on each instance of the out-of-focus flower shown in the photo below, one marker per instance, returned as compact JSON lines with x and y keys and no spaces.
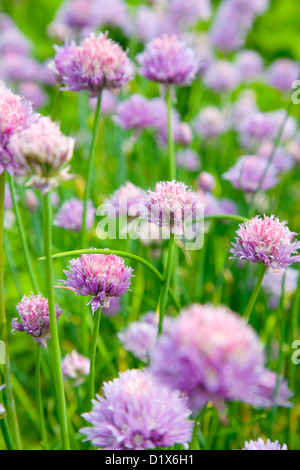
{"x":31,"y":201}
{"x":272,"y":283}
{"x":267,"y":241}
{"x":250,"y":65}
{"x":260,"y":444}
{"x":15,"y":115}
{"x":210,"y":122}
{"x":34,"y":315}
{"x":7,"y":198}
{"x":281,"y":160}
{"x":170,"y":205}
{"x":191,"y":11}
{"x":257,"y":126}
{"x":71,"y":18}
{"x":244,"y":106}
{"x":43,"y":153}
{"x":290,"y":127}
{"x":169,"y":61}
{"x":137,"y":413}
{"x":135,"y":113}
{"x":114,"y":307}
{"x":282,"y":73}
{"x":76,"y":367}
{"x":127,"y":200}
{"x":34,"y":93}
{"x":206,"y":181}
{"x":188,"y":159}
{"x":211,"y":354}
{"x":69,"y":215}
{"x":100,"y":276}
{"x":95,"y":64}
{"x":109,"y":102}
{"x":248,"y":171}
{"x":12,"y":41}
{"x":151,"y":23}
{"x":113,"y":14}
{"x":222,"y":75}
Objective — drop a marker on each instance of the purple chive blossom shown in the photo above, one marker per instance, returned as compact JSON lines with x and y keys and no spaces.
{"x":267,"y":241}
{"x":191,"y":11}
{"x":290,"y":128}
{"x":43,"y":153}
{"x":170,"y":205}
{"x":72,"y":17}
{"x":95,"y":64}
{"x":211,"y":354}
{"x":135,"y":113}
{"x":247,"y":173}
{"x":151,"y":23}
{"x":188,"y":159}
{"x":137,"y":413}
{"x":15,"y":115}
{"x":69,"y":215}
{"x":282,"y":73}
{"x":113,"y":14}
{"x":222,"y":75}
{"x":257,"y":126}
{"x":140,"y":337}
{"x":169,"y":61}
{"x":244,"y":106}
{"x":262,"y":445}
{"x":206,"y":181}
{"x":100,"y":276}
{"x":76,"y":367}
{"x":272,"y":283}
{"x":250,"y":65}
{"x":281,"y":160}
{"x":34,"y":93}
{"x":210,"y":122}
{"x":261,"y":394}
{"x":34,"y":317}
{"x":127,"y":200}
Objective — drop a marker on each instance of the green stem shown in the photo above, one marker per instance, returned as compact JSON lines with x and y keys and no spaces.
{"x":172,"y":163}
{"x":22,"y":235}
{"x":57,"y":372}
{"x":6,"y":435}
{"x":165,"y":287}
{"x":11,"y":408}
{"x":254,"y":294}
{"x":39,"y":400}
{"x":124,"y":254}
{"x":93,"y":353}
{"x":90,"y":170}
{"x":280,"y":356}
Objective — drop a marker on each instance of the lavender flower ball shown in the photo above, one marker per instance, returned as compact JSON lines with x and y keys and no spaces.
{"x":210,"y":122}
{"x":76,"y":367}
{"x":222,"y":75}
{"x":15,"y":115}
{"x":170,"y":205}
{"x":69,"y":215}
{"x":136,"y":413}
{"x":100,"y":276}
{"x":95,"y":64}
{"x":267,"y":241}
{"x":247,"y":173}
{"x":206,"y":181}
{"x":34,"y":316}
{"x":281,"y":160}
{"x":135,"y":113}
{"x":189,"y":12}
{"x":43,"y":153}
{"x":282,"y":73}
{"x":211,"y":354}
{"x":250,"y":65}
{"x":169,"y":61}
{"x":262,"y":445}
{"x":188,"y":159}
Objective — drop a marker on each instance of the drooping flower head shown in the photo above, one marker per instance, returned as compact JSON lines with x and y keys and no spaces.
{"x":69,"y":215}
{"x":76,"y":367}
{"x":260,"y":444}
{"x":34,"y":316}
{"x":170,"y":205}
{"x":169,"y":61}
{"x":211,"y":354}
{"x":98,"y":275}
{"x":43,"y":152}
{"x":137,"y":413}
{"x":247,"y":173}
{"x":15,"y":115}
{"x":95,"y":64}
{"x":267,"y":241}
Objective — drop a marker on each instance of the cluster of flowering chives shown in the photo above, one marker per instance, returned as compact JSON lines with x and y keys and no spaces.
{"x":95,"y":64}
{"x":211,"y":354}
{"x":34,"y":316}
{"x":69,"y":216}
{"x":260,"y":444}
{"x":171,"y":205}
{"x":100,"y":276}
{"x":127,"y":200}
{"x":247,"y":173}
{"x":76,"y":367}
{"x":169,"y":61}
{"x":15,"y":115}
{"x":43,"y":153}
{"x":267,"y":241}
{"x":137,"y":413}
